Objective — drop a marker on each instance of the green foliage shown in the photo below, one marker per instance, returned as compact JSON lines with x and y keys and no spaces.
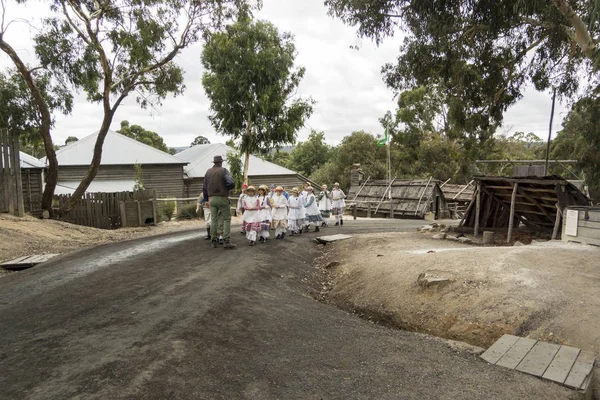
{"x":199,"y":140}
{"x":251,"y":80}
{"x":308,"y":156}
{"x":234,"y":160}
{"x":138,"y":177}
{"x":280,"y":158}
{"x":71,"y":139}
{"x":168,"y":209}
{"x":481,"y":54}
{"x":20,"y":114}
{"x":580,"y":140}
{"x":187,"y":212}
{"x":141,"y":135}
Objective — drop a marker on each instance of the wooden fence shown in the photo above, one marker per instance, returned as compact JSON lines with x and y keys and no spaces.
{"x":100,"y":210}
{"x":11,"y":187}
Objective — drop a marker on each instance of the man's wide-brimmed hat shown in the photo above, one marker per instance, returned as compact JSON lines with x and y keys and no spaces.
{"x":218,"y":160}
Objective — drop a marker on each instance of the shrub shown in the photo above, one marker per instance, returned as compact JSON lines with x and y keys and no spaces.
{"x":188,"y":212}
{"x":168,"y":209}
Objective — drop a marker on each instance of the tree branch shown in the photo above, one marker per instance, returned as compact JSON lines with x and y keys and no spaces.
{"x":581,"y":36}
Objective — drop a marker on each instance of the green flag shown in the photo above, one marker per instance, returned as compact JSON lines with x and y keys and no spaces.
{"x":383,"y":142}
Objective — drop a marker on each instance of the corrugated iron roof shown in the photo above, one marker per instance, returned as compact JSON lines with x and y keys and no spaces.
{"x":200,"y":158}
{"x":28,"y":161}
{"x":96,"y":186}
{"x":117,"y":150}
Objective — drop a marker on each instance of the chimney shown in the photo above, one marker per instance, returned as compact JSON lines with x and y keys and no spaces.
{"x":356,"y":175}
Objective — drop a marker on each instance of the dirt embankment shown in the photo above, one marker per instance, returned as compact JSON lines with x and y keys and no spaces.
{"x":29,"y":235}
{"x":546,"y":290}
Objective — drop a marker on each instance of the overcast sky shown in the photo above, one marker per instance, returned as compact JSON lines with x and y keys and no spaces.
{"x":346,"y":83}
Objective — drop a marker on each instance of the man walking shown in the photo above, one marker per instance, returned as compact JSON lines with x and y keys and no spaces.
{"x":217,"y":184}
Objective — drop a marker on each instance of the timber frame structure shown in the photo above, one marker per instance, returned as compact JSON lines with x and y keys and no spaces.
{"x":537,"y":202}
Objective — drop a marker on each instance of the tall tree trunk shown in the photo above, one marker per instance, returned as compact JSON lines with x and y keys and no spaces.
{"x":45,"y":124}
{"x":94,"y":165}
{"x":581,"y":35}
{"x":246,"y":162}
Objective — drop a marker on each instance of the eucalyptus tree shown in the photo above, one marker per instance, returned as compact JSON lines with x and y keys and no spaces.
{"x":251,"y":82}
{"x":482,"y":53}
{"x":112,"y":49}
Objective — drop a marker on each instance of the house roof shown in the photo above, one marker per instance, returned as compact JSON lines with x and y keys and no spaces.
{"x":408,"y":197}
{"x":200,"y":158}
{"x":28,"y":161}
{"x":117,"y":150}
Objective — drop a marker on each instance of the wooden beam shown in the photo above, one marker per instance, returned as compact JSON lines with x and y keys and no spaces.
{"x":544,"y":182}
{"x":422,"y":193}
{"x":537,"y":204}
{"x":556,"y":222}
{"x":463,"y":219}
{"x":384,"y":193}
{"x":477,"y":210}
{"x":512,"y":213}
{"x":539,"y":190}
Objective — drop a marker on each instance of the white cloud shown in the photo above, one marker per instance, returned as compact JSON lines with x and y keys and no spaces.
{"x":346,"y":83}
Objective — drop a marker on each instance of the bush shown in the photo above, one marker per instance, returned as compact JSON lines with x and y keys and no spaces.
{"x":188,"y":212}
{"x":168,"y":209}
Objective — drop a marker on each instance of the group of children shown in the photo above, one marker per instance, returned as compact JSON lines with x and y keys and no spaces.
{"x":264,"y":210}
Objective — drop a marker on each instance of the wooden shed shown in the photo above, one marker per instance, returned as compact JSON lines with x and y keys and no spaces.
{"x":537,"y":202}
{"x":398,"y":199}
{"x":32,"y":178}
{"x":200,"y":158}
{"x":161,"y":171}
{"x":458,"y":197}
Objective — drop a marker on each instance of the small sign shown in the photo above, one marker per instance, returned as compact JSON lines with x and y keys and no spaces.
{"x":571,"y":224}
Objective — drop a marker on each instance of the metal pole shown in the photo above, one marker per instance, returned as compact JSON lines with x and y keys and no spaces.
{"x":550,"y":132}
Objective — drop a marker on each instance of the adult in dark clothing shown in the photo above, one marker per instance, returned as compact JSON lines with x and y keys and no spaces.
{"x":217,"y":184}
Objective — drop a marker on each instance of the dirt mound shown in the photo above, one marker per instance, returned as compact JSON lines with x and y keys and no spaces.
{"x":546,"y":290}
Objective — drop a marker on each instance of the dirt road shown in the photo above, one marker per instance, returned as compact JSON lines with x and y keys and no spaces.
{"x":169,"y":318}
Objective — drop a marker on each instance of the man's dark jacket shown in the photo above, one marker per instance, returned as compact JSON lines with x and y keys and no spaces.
{"x":217,"y":182}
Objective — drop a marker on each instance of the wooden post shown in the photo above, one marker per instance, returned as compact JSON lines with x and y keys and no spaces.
{"x":20,"y":206}
{"x":28,"y":189}
{"x":477,"y":210}
{"x":154,"y":211}
{"x":8,"y":178}
{"x":423,"y":193}
{"x":139,"y":212}
{"x":511,"y":219}
{"x":355,"y":210}
{"x":391,"y":211}
{"x":557,"y":222}
{"x":369,"y":210}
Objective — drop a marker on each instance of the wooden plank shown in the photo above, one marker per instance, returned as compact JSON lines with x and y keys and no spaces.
{"x":581,"y":369}
{"x":499,"y":348}
{"x":332,"y":238}
{"x":15,"y":261}
{"x":511,"y":219}
{"x":516,"y":353}
{"x":538,"y":358}
{"x":40,"y":258}
{"x":559,"y":368}
{"x":477,"y":210}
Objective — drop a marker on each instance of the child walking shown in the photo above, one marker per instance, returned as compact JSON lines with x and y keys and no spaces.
{"x":313,"y":215}
{"x":265,"y":212}
{"x":294,"y":216}
{"x":337,"y":204}
{"x":324,"y":204}
{"x":240,"y":205}
{"x":280,"y":213}
{"x":251,"y":217}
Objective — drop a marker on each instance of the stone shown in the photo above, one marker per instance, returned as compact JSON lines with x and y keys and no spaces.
{"x":426,"y":281}
{"x":451,"y":237}
{"x":445,"y":229}
{"x":465,"y":240}
{"x":45,"y":214}
{"x":517,"y":243}
{"x":439,"y":236}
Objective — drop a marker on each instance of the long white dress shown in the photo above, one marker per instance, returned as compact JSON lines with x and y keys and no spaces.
{"x":313,"y":215}
{"x":265,"y":216}
{"x":295,"y":210}
{"x":251,"y":217}
{"x":280,"y":222}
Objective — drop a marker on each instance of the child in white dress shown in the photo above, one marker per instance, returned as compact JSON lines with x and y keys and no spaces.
{"x":279,"y":204}
{"x":324,"y":204}
{"x":265,"y":212}
{"x":294,"y":213}
{"x":337,"y":204}
{"x":313,"y":215}
{"x":251,"y":217}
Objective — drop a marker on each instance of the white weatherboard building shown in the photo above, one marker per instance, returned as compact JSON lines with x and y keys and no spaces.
{"x":160,"y":171}
{"x":200,"y":158}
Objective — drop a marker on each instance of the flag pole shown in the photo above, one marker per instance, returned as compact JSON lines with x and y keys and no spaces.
{"x":389,"y":161}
